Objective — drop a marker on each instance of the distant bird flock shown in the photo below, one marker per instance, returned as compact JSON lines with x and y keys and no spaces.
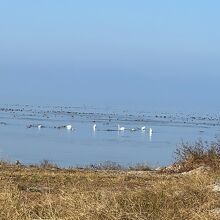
{"x":119,"y":128}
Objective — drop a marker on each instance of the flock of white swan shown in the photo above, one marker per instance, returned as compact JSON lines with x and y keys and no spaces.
{"x":143,"y":128}
{"x":69,"y":127}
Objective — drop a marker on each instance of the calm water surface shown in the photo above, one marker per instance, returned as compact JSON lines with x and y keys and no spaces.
{"x":83,"y":146}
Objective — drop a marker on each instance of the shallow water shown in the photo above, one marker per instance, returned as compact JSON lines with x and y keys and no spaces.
{"x":83,"y":146}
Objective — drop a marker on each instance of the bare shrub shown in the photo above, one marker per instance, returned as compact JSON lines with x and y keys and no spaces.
{"x":46,"y":164}
{"x":197,"y":154}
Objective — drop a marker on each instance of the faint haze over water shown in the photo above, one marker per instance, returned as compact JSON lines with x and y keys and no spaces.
{"x":144,"y":55}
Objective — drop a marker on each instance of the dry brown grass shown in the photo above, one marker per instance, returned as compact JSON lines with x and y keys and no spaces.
{"x":52,"y":193}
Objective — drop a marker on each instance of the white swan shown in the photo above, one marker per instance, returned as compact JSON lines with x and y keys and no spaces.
{"x":94,"y":127}
{"x":121,"y":128}
{"x":143,"y":128}
{"x":150,"y":134}
{"x":39,"y":126}
{"x":69,"y":127}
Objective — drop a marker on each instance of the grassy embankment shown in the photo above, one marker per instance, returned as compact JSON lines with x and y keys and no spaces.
{"x":186,"y":190}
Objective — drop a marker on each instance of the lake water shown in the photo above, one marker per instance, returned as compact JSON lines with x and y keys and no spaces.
{"x":83,"y":146}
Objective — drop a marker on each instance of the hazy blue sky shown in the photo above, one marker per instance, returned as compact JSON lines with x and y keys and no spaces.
{"x":151,"y":55}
